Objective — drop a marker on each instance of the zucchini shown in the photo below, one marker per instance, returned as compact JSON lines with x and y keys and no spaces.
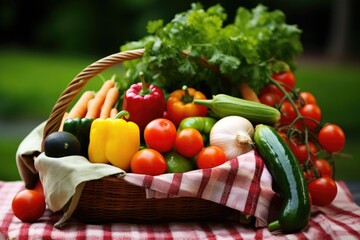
{"x":288,"y":178}
{"x":222,"y":105}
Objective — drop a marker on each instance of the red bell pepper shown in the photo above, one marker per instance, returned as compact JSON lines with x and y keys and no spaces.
{"x":144,"y":103}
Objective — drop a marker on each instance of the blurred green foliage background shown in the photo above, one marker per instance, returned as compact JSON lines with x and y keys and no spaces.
{"x":43,"y":45}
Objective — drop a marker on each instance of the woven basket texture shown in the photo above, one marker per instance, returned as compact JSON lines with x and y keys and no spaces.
{"x":112,"y":199}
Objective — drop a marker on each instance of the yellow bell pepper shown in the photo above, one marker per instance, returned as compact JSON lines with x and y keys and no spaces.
{"x":114,"y":140}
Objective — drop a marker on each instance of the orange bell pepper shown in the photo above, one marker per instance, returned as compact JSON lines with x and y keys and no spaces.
{"x":180,"y":105}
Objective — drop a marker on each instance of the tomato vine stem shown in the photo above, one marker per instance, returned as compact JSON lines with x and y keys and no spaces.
{"x":309,"y":164}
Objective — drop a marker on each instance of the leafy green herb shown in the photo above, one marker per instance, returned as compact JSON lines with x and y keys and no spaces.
{"x":198,"y":50}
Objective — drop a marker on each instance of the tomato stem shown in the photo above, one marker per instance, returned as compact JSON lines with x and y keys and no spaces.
{"x":288,"y":97}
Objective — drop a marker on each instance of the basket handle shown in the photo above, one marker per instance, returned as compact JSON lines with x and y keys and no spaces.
{"x":77,"y":84}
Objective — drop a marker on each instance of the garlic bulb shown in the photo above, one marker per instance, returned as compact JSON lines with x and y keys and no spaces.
{"x":233,"y":134}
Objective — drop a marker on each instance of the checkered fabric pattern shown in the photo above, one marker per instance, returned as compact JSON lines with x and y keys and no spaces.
{"x":243,"y":183}
{"x":340,"y":220}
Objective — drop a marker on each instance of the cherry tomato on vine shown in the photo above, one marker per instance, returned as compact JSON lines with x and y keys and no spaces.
{"x":283,"y":135}
{"x":287,"y":79}
{"x":288,"y":113}
{"x":307,"y":98}
{"x":302,"y":153}
{"x":273,"y":89}
{"x":28,"y":205}
{"x":332,"y":138}
{"x":189,"y":142}
{"x":312,"y":115}
{"x":148,"y":161}
{"x":268,"y":98}
{"x":160,"y":134}
{"x":323,"y":191}
{"x":323,"y":167}
{"x":311,"y":202}
{"x":210,"y":156}
{"x":309,"y":175}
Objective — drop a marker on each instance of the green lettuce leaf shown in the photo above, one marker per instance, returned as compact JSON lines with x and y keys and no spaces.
{"x":197,"y":49}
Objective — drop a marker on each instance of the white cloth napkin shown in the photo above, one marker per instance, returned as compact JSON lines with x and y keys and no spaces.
{"x":62,"y":178}
{"x":29,"y":148}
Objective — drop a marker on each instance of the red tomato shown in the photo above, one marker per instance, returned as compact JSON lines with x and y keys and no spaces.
{"x":28,"y":205}
{"x":307,"y":98}
{"x":283,"y":135}
{"x":309,"y":175}
{"x":288,"y":113}
{"x":323,"y":167}
{"x":301,"y":151}
{"x":323,"y":191}
{"x":189,"y":142}
{"x":210,"y":156}
{"x":287,"y":79}
{"x":160,"y":134}
{"x":311,"y":112}
{"x":273,"y":89}
{"x":148,"y":161}
{"x":332,"y":138}
{"x":268,"y":99}
{"x":285,"y":138}
{"x":39,"y":187}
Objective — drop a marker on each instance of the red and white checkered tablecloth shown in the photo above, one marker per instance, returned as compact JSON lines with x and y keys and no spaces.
{"x":340,"y":220}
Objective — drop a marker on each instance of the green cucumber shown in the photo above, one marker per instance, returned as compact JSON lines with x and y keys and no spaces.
{"x":288,"y":177}
{"x":222,"y":105}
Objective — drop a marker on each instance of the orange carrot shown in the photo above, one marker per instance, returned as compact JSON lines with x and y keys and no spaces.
{"x":94,"y":106}
{"x":113,"y":112}
{"x":110,"y":101}
{"x":89,"y":106}
{"x":248,"y":93}
{"x":80,"y":107}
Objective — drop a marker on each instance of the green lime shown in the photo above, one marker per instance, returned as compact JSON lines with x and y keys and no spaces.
{"x":176,"y":163}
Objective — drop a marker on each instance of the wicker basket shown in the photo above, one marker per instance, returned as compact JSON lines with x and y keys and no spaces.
{"x":114,"y":200}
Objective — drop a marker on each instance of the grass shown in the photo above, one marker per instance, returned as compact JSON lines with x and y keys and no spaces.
{"x":31,"y":82}
{"x":8,"y":171}
{"x":336,"y":90}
